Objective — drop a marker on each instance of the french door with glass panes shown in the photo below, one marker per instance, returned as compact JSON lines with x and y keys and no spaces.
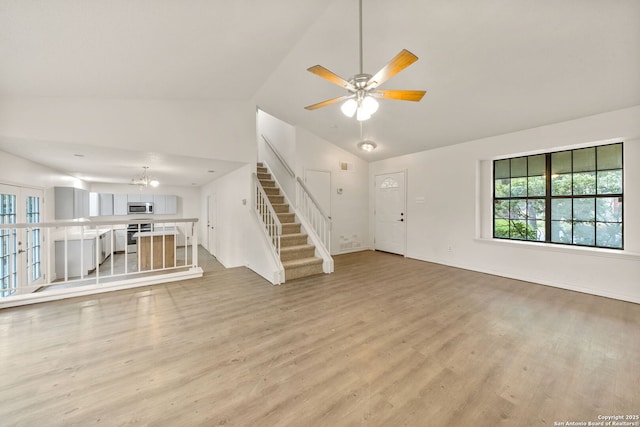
{"x":21,"y":248}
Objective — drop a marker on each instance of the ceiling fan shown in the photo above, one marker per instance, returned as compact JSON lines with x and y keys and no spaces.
{"x":362,"y":88}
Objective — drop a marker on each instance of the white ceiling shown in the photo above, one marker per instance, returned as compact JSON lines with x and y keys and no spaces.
{"x":117,"y":166}
{"x":489,"y":67}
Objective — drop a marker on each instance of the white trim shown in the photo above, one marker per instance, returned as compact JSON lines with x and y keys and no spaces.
{"x":567,"y":249}
{"x":352,"y":250}
{"x":561,"y":148}
{"x":536,"y":281}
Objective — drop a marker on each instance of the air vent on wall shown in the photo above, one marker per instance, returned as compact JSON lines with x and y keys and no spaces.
{"x":346,"y":166}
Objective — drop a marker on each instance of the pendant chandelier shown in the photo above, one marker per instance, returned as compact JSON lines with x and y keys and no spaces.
{"x":144,"y":180}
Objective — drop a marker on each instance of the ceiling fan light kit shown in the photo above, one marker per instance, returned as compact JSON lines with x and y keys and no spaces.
{"x":367,"y":146}
{"x":360,"y":99}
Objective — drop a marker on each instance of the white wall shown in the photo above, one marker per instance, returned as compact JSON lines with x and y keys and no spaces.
{"x":222,"y":130}
{"x":231,"y":214}
{"x":456,"y":184}
{"x":282,"y":136}
{"x":25,"y":173}
{"x":349,"y":210}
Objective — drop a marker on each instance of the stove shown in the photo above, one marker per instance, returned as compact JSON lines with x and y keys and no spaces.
{"x":133,"y":229}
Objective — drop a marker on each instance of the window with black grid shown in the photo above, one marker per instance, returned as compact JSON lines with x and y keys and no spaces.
{"x":571,"y":197}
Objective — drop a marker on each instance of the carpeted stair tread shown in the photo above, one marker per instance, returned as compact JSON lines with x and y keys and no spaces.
{"x":291,"y":227}
{"x":297,"y":247}
{"x":275,"y":199}
{"x":286,"y":217}
{"x":290,"y":253}
{"x":271,"y":191}
{"x":301,"y":262}
{"x":295,"y":239}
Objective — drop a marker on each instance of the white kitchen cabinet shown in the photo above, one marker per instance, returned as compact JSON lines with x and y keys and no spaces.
{"x":105,"y":246}
{"x":94,"y":204}
{"x":76,"y":249}
{"x":106,"y":204}
{"x":100,"y":204}
{"x":81,"y":207}
{"x":144,"y":198}
{"x":85,"y":248}
{"x":71,"y":203}
{"x":120,"y":204}
{"x":121,"y":240}
{"x":171,"y":205}
{"x":159,"y":204}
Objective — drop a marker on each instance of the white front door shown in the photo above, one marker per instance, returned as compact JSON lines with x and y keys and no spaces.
{"x":21,"y":249}
{"x":211,"y":224}
{"x":390,"y":217}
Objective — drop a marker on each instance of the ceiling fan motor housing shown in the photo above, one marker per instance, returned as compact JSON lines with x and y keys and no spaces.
{"x":360,"y":80}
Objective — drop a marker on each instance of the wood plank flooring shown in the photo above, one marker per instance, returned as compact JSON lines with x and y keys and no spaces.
{"x":384,"y":341}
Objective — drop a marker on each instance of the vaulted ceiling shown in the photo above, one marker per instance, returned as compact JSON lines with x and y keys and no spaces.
{"x":489,"y":67}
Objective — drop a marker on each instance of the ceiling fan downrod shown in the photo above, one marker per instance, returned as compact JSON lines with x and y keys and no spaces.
{"x":360,"y":33}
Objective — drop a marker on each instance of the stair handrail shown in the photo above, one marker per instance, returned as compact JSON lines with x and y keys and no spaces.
{"x":272,"y":227}
{"x":315,"y":216}
{"x":279,"y":156}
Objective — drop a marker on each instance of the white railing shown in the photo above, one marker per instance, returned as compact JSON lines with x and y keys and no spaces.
{"x":272,"y":226}
{"x":309,"y":207}
{"x":78,"y":258}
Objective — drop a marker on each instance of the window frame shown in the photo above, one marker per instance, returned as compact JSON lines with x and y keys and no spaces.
{"x":549,"y":197}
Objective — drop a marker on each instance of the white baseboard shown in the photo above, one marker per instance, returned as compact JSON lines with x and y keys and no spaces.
{"x":538,"y":281}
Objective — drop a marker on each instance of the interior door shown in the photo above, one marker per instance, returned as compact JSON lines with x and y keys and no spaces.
{"x":390,"y":218}
{"x":319,"y":184}
{"x":21,"y":249}
{"x":211,"y":224}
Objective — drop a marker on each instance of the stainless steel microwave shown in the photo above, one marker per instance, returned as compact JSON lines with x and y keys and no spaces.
{"x":140,"y":208}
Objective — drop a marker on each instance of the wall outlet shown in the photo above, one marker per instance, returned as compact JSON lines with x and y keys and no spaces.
{"x":449,"y":248}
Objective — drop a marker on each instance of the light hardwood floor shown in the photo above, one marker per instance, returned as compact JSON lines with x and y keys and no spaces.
{"x":384,"y":341}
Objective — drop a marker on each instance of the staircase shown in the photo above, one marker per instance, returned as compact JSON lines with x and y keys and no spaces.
{"x":297,"y":255}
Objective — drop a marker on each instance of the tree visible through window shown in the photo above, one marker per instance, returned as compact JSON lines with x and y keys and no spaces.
{"x":571,"y":197}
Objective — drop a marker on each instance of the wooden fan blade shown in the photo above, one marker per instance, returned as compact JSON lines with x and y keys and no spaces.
{"x":397,"y":64}
{"x":402,"y":95}
{"x":319,"y":70}
{"x":327,"y":102}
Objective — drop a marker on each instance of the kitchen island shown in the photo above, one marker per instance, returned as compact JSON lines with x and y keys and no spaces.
{"x":160,"y":244}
